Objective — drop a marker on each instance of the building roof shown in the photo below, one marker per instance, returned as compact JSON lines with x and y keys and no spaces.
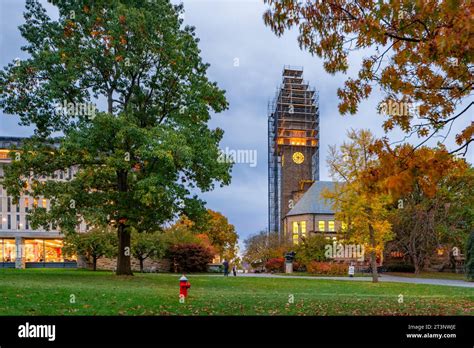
{"x":7,"y":142}
{"x":311,"y":202}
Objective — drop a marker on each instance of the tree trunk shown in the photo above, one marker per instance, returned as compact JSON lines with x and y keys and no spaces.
{"x":124,"y":248}
{"x":123,"y":258}
{"x":94,"y":263}
{"x":373,"y":256}
{"x":416,"y":264}
{"x":141,"y":265}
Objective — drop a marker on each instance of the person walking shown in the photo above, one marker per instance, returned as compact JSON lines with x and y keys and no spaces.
{"x":234,"y":271}
{"x":226,"y":268}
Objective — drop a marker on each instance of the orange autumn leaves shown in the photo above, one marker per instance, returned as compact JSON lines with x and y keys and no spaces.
{"x":401,"y":169}
{"x":420,"y":53}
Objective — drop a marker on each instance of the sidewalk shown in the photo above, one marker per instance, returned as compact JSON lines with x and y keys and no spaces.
{"x":382,"y":278}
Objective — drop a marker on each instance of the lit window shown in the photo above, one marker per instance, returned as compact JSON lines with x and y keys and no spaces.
{"x":27,"y":204}
{"x":303,"y":228}
{"x":9,"y":250}
{"x":44,"y":203}
{"x":34,"y":250}
{"x":35,"y":203}
{"x":53,"y":250}
{"x":295,"y":238}
{"x":331,"y":226}
{"x":295,"y":232}
{"x":321,"y":226}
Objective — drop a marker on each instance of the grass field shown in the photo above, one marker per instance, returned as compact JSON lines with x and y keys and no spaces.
{"x":50,"y":292}
{"x":431,"y":275}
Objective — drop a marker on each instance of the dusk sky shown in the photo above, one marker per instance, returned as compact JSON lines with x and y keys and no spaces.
{"x":246,"y":60}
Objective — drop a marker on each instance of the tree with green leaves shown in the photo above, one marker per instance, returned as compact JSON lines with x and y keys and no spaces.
{"x":137,"y":159}
{"x":92,"y":245}
{"x":147,"y":245}
{"x":311,"y":248}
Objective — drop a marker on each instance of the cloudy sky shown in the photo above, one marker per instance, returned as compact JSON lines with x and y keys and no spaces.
{"x":246,"y":60}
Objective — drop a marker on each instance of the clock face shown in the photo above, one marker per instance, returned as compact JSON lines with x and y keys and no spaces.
{"x":298,"y":157}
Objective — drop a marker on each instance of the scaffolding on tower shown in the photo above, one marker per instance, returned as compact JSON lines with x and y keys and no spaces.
{"x":293,"y":119}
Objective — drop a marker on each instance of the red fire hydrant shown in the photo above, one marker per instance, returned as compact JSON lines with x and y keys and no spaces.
{"x":184,"y":285}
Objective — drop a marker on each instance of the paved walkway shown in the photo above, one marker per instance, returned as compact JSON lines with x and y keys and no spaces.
{"x":382,"y":278}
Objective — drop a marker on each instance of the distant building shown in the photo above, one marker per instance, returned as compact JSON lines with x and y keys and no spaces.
{"x":20,"y":245}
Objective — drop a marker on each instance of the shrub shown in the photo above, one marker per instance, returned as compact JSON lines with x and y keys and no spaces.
{"x":312,"y":248}
{"x":327,"y":268}
{"x":275,"y":265}
{"x":399,"y":267}
{"x":298,"y":266}
{"x":190,"y":257}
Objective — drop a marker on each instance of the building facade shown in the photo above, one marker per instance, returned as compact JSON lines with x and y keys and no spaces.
{"x":293,"y":145}
{"x":311,"y":215}
{"x":21,"y":246}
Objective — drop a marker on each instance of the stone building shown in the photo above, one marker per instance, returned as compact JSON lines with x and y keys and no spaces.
{"x":311,"y":215}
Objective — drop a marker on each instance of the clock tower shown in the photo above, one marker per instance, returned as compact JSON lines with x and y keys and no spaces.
{"x":293,"y":145}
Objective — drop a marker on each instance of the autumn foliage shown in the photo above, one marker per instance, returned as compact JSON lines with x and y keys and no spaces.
{"x":275,"y":265}
{"x":418,"y":53}
{"x":327,"y":268}
{"x":404,"y":168}
{"x":190,"y":257}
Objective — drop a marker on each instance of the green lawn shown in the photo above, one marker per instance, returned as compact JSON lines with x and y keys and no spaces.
{"x":48,"y":292}
{"x":432,"y":275}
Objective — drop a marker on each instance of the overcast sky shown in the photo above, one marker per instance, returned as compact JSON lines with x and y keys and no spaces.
{"x":246,"y":60}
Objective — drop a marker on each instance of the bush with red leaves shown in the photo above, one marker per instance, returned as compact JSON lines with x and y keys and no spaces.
{"x":275,"y":265}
